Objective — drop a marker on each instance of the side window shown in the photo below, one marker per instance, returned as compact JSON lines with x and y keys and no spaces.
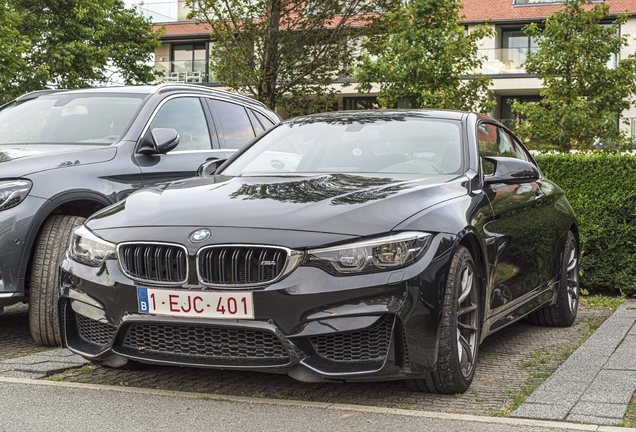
{"x":234,"y":123}
{"x":496,"y":141}
{"x":488,"y":144}
{"x":186,"y":115}
{"x":267,"y":123}
{"x":520,"y":151}
{"x":258,"y":127}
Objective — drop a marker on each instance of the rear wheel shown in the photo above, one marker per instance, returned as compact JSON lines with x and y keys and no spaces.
{"x":563,"y":312}
{"x":459,"y":331}
{"x":44,"y":288}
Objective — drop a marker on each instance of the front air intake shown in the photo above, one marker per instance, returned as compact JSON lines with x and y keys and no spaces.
{"x":155,"y":263}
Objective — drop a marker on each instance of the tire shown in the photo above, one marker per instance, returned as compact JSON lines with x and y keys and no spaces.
{"x":563,"y":312}
{"x":458,"y":332}
{"x":52,"y":241}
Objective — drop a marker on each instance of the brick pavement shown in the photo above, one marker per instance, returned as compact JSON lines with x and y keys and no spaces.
{"x":508,"y":360}
{"x":15,"y":338}
{"x":597,"y":382}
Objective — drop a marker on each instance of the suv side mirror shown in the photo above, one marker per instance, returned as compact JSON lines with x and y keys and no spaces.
{"x":209,"y":167}
{"x":511,"y":170}
{"x":159,"y":141}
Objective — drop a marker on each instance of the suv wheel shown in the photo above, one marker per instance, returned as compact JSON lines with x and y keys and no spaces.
{"x":44,"y":289}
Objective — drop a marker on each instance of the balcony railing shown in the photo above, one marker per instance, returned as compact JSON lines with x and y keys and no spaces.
{"x":184,"y":71}
{"x":164,"y":12}
{"x":498,"y":61}
{"x":501,"y":61}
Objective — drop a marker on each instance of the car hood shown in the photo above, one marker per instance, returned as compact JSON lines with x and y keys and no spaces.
{"x":18,"y":160}
{"x":335,"y":203}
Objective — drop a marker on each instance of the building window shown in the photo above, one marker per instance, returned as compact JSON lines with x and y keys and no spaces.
{"x":360,"y":103}
{"x":188,"y":63}
{"x":518,"y":39}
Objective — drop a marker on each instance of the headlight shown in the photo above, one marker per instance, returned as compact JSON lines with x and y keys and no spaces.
{"x":13,"y":192}
{"x":386,"y":253}
{"x":89,"y":249}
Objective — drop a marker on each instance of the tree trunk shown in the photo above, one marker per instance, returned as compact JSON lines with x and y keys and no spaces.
{"x":267,"y":88}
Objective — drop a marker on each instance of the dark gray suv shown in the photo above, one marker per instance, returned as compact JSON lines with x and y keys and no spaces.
{"x":66,"y":154}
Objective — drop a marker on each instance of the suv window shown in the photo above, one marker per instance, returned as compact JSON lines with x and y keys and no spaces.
{"x":234,"y":123}
{"x":185,"y":114}
{"x":267,"y":123}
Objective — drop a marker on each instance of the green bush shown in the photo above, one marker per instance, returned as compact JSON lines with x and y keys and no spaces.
{"x":602,"y":191}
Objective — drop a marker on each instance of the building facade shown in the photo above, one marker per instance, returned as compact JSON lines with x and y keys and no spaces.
{"x":184,"y":54}
{"x":507,"y":50}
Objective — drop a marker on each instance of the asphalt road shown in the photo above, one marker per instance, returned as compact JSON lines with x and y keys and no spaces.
{"x":29,"y":405}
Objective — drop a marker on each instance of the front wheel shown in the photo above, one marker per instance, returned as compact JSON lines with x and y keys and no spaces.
{"x":44,"y":321}
{"x":563,"y":312}
{"x":459,"y":331}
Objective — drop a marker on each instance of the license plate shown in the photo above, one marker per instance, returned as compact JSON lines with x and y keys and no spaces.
{"x":201,"y":304}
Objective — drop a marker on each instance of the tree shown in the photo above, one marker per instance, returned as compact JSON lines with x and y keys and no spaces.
{"x":79,"y":43}
{"x":12,"y":46}
{"x":285,"y":53}
{"x":585,"y":89}
{"x":422,"y":56}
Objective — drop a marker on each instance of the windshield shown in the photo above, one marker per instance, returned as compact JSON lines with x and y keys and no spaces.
{"x":406,"y":145}
{"x":63,"y":118}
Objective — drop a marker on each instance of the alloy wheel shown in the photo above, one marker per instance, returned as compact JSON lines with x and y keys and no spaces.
{"x":467,"y":320}
{"x":572,"y":276}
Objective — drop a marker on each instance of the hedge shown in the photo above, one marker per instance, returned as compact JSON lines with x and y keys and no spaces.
{"x":602,"y":191}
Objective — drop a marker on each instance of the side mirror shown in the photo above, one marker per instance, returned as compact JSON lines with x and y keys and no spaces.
{"x":209,"y":167}
{"x":511,"y":170}
{"x":159,"y":141}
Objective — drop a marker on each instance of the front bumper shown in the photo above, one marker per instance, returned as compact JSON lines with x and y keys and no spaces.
{"x":15,"y":227}
{"x":310,"y":325}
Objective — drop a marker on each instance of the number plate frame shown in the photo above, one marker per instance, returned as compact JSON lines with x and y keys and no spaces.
{"x":197,"y":304}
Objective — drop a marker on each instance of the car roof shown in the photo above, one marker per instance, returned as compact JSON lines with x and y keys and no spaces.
{"x":386,"y":114}
{"x":150,"y":89}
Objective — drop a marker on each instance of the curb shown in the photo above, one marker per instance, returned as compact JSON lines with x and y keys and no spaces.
{"x":323,"y":405}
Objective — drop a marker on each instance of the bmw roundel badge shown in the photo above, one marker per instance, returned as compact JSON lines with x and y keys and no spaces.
{"x":200,"y":235}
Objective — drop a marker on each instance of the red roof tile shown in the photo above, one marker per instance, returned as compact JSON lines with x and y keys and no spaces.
{"x":474,"y":10}
{"x":184,"y":28}
{"x":503,"y":10}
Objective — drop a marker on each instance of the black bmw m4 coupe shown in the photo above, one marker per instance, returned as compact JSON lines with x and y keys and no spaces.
{"x":350,"y":246}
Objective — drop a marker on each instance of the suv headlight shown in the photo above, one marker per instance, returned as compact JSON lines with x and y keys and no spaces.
{"x":385,"y":253}
{"x":89,"y":249}
{"x":13,"y":192}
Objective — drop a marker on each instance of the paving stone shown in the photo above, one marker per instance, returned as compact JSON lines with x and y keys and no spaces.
{"x":608,"y":338}
{"x":614,"y":380}
{"x":18,"y":374}
{"x":48,"y":368}
{"x":621,"y":361}
{"x":554,"y":398}
{"x":541,"y":411}
{"x":607,"y":396}
{"x":57,"y":352}
{"x":63,"y":355}
{"x":26,"y":360}
{"x":600,"y":409}
{"x":5,"y":367}
{"x":626,"y":311}
{"x":593,"y":419}
{"x":577,"y":372}
{"x":611,"y":386}
{"x":556,"y":383}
